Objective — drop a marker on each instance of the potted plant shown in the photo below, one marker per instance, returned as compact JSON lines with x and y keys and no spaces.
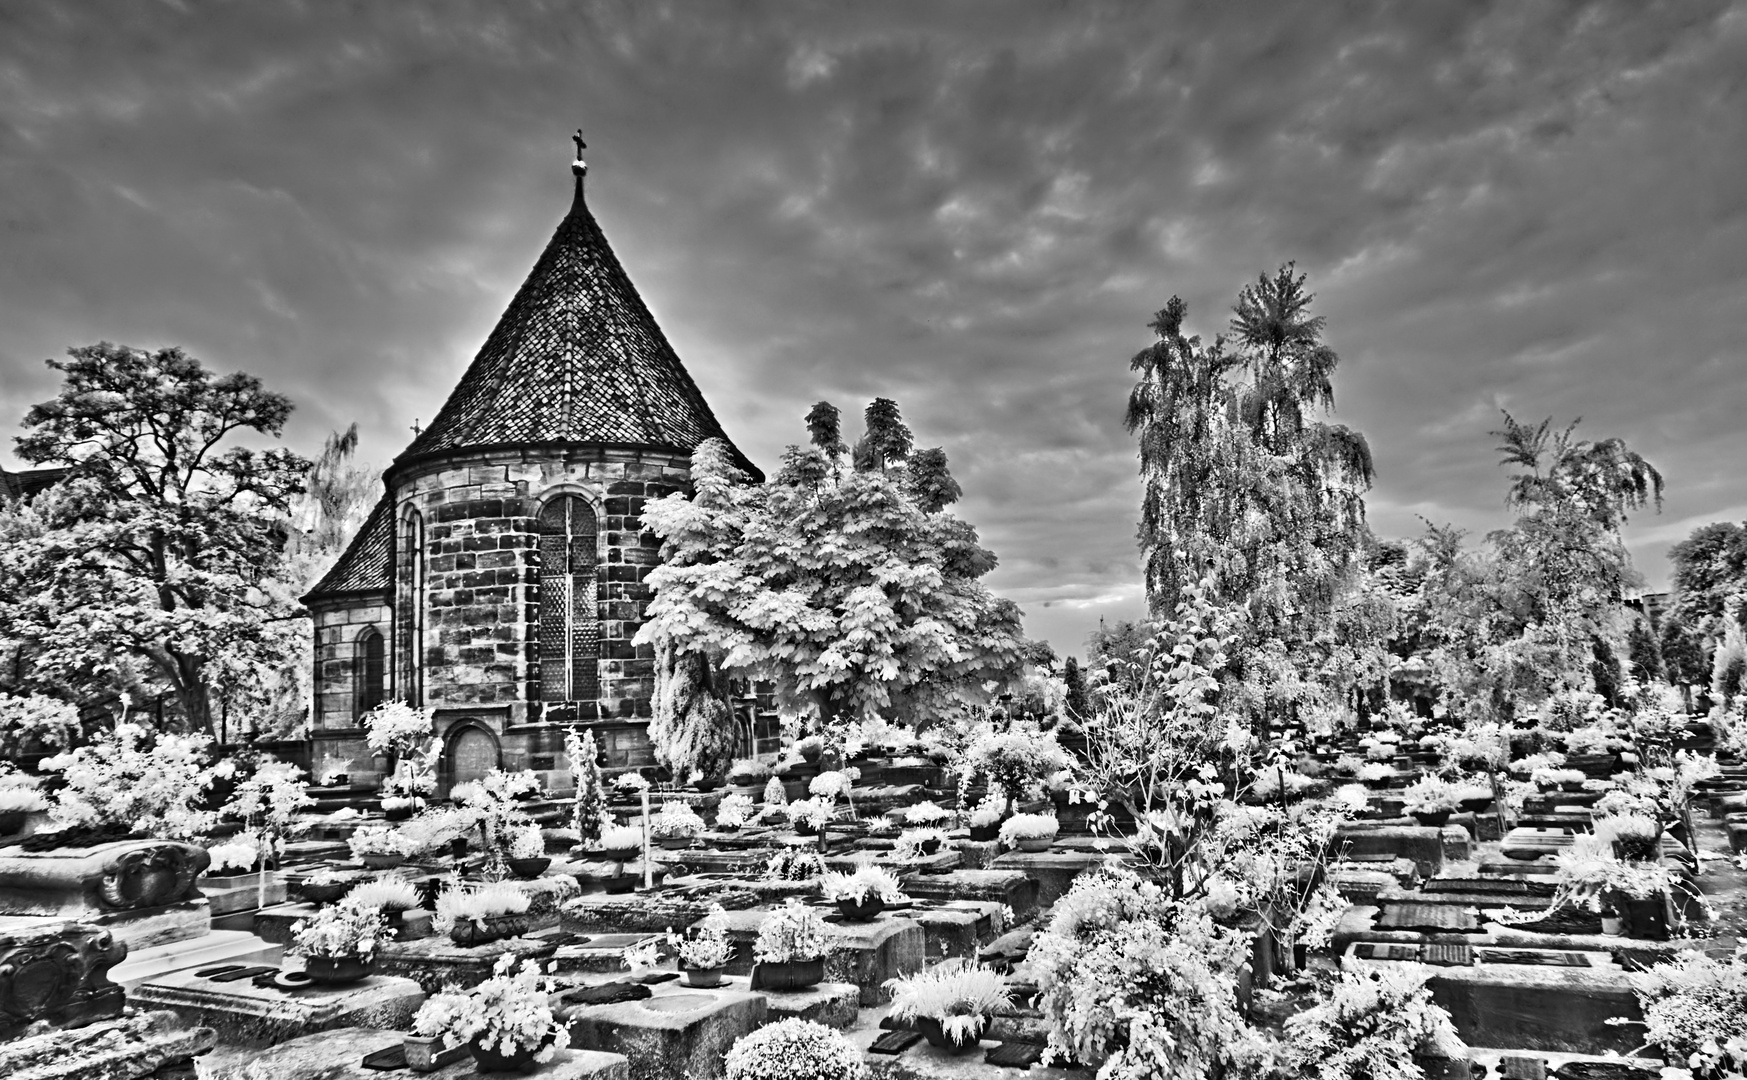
{"x":397,"y":900}
{"x":1030,"y":832}
{"x":809,"y":748}
{"x":401,"y":807}
{"x":506,"y":1021}
{"x":527,"y":851}
{"x":1473,"y":798}
{"x":1376,"y":775}
{"x":477,"y":916}
{"x":377,"y":847}
{"x":326,"y":886}
{"x":951,"y":1002}
{"x":747,"y":776}
{"x":734,"y":811}
{"x":790,"y":949}
{"x":864,"y":893}
{"x":1634,"y":837}
{"x":794,"y":1049}
{"x":17,"y":804}
{"x":1013,"y":763}
{"x":338,"y":944}
{"x":621,"y":842}
{"x":704,"y":949}
{"x":985,"y":818}
{"x":1431,"y":801}
{"x":925,"y":815}
{"x":676,"y":825}
{"x":913,"y":844}
{"x":1589,"y":875}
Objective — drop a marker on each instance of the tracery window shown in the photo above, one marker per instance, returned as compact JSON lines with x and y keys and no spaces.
{"x":568,"y":638}
{"x":369,"y":662}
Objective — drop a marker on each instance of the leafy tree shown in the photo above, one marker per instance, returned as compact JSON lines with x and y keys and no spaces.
{"x":1683,"y":656}
{"x":837,"y":586}
{"x":156,"y":550}
{"x":1644,"y":651}
{"x":1079,"y":703}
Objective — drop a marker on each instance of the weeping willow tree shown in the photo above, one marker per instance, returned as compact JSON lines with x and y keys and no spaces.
{"x":1243,"y":486}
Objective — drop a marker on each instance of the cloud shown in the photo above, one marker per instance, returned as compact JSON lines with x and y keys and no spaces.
{"x":973,"y":209}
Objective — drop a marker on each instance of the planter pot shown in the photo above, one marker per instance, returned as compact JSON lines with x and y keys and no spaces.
{"x":982,"y":834}
{"x":861,"y":912}
{"x":338,"y":970}
{"x":707,"y":785}
{"x":324,"y":893}
{"x":1644,"y":918}
{"x":12,"y":820}
{"x":931,"y":1030}
{"x":1376,"y":785}
{"x":467,"y":932}
{"x":621,"y":884}
{"x":703,"y":978}
{"x":490,"y":1061}
{"x":1572,"y":788}
{"x":792,"y":975}
{"x":1612,"y":925}
{"x":620,"y":854}
{"x":529,"y":869}
{"x":383,"y":862}
{"x":1435,"y":820}
{"x":425,"y":1053}
{"x":1036,"y":843}
{"x":811,"y":754}
{"x":403,"y":813}
{"x":1475,"y":805}
{"x":930,"y":846}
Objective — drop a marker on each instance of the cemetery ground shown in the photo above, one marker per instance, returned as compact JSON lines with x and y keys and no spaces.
{"x":1511,"y":910}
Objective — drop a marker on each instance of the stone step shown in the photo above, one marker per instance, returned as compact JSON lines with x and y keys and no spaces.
{"x":218,"y":947}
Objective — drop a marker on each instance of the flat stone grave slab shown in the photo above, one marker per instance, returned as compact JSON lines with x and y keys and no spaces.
{"x":680,"y":902}
{"x":248,"y":1015}
{"x":866,"y":954}
{"x":1521,"y":890}
{"x":1423,"y":845}
{"x":1358,"y":886}
{"x":1541,"y":866}
{"x":1527,"y":842}
{"x":1429,"y":918}
{"x":675,"y":1032}
{"x":1483,"y":900}
{"x":339,"y":1055}
{"x":998,"y":886}
{"x":437,"y":962}
{"x":596,"y":953}
{"x":1053,"y":871}
{"x":137,"y":1045}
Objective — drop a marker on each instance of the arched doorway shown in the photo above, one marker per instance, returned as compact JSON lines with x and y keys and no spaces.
{"x":472,"y":752}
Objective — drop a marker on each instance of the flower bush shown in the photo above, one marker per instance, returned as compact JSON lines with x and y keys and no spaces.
{"x":734,"y":811}
{"x":1373,"y":771}
{"x":130,"y":778}
{"x":376,"y":840}
{"x":986,"y":813}
{"x":1013,"y":762}
{"x":747,"y":772}
{"x":1692,"y":999}
{"x":630,"y":783}
{"x":22,"y":800}
{"x":676,"y":820}
{"x":508,"y":1013}
{"x":705,"y":945}
{"x":1430,"y":795}
{"x":960,"y":994}
{"x":832,"y":785}
{"x":864,"y":882}
{"x":789,"y":933}
{"x":810,"y":813}
{"x":1370,"y":1027}
{"x":925,"y":813}
{"x":794,"y":1049}
{"x":238,"y":856}
{"x":912,"y":843}
{"x":527,"y":842}
{"x":434,"y":830}
{"x":340,"y":930}
{"x":1029,"y":827}
{"x":477,"y":904}
{"x":394,"y":726}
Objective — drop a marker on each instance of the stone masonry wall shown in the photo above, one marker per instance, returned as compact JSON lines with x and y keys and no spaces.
{"x":337,"y":669}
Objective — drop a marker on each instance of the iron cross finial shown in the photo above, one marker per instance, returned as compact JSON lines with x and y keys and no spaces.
{"x":580,"y":145}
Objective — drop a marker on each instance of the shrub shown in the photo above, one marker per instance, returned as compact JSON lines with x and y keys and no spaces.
{"x":527,"y":842}
{"x":149,"y":782}
{"x":384,"y":894}
{"x":1430,"y":795}
{"x":865,"y":881}
{"x":794,"y":1049}
{"x":376,"y":840}
{"x":774,"y":793}
{"x":476,"y":905}
{"x":1693,"y":999}
{"x":748,"y":771}
{"x":734,"y":811}
{"x":925,"y":813}
{"x":393,"y":726}
{"x":987,"y":812}
{"x":1029,"y":827}
{"x":1371,"y":1025}
{"x":960,"y":994}
{"x":676,"y":820}
{"x":238,"y":856}
{"x":621,"y":838}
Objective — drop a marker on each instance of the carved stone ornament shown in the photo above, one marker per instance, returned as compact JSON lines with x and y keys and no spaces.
{"x":151,"y":877}
{"x":58,"y":974}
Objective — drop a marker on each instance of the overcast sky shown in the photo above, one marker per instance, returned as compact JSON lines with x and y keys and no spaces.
{"x":973,"y":208}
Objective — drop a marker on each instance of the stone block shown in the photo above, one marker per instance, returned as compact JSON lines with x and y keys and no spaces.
{"x":1000,"y":886}
{"x":339,"y":1055}
{"x":244,"y":1014}
{"x":958,"y":927}
{"x":598,"y":954}
{"x":242,"y":892}
{"x":678,"y":1031}
{"x":142,"y":891}
{"x":126,"y":1048}
{"x":1424,"y":846}
{"x":866,"y":954}
{"x":1053,"y":871}
{"x":1457,"y":843}
{"x":437,"y":962}
{"x":833,"y":1004}
{"x":658,"y":911}
{"x":56,"y":973}
{"x":1539,"y":1008}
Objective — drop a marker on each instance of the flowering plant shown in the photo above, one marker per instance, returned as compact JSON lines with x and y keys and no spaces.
{"x":22,"y":799}
{"x":621,"y":838}
{"x":774,"y":793}
{"x":1029,"y":827}
{"x":987,"y":812}
{"x":812,"y":813}
{"x":911,"y":843}
{"x":397,"y":803}
{"x":508,"y":1013}
{"x":341,"y":930}
{"x":676,"y":820}
{"x":239,"y":855}
{"x":1693,"y":998}
{"x":630,"y":783}
{"x":1375,"y":770}
{"x":475,"y":905}
{"x":434,"y":830}
{"x":1430,"y":795}
{"x":376,"y":840}
{"x":148,"y":782}
{"x":960,"y":994}
{"x":1371,"y":1025}
{"x":832,"y":785}
{"x":925,"y":813}
{"x":527,"y":842}
{"x":706,"y":944}
{"x":747,"y":772}
{"x":865,"y":881}
{"x":394,"y":726}
{"x":1014,"y":762}
{"x":35,"y":720}
{"x":734,"y":811}
{"x":794,"y":1049}
{"x":794,"y":864}
{"x":385,"y":895}
{"x":791,"y":932}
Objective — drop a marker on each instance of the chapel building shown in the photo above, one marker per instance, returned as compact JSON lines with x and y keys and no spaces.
{"x":500,"y":578}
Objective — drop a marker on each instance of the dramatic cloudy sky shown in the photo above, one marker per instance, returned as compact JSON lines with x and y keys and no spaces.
{"x":973,"y":208}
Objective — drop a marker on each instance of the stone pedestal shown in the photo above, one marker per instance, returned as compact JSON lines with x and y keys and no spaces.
{"x":56,"y":973}
{"x":830,"y":1003}
{"x":676,"y":1032}
{"x":127,"y":1048}
{"x":435,"y":962}
{"x":248,"y":1015}
{"x":339,"y":1055}
{"x":142,"y":891}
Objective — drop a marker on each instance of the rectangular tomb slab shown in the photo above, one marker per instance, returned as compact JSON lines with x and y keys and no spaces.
{"x":1423,"y":845}
{"x":678,"y":1031}
{"x":866,"y":954}
{"x":1054,"y":871}
{"x":1010,"y":887}
{"x":437,"y":962}
{"x":248,"y":1015}
{"x":131,"y":1046}
{"x":339,"y":1055}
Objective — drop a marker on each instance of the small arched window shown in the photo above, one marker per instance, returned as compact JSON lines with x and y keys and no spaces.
{"x":410,"y":611}
{"x":369,"y":667}
{"x":569,"y":631}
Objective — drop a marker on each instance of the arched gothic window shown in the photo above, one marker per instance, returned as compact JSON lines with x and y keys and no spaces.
{"x":569,"y":631}
{"x":409,"y":679}
{"x":369,"y":665}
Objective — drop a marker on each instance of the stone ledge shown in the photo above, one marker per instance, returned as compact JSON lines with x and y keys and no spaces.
{"x":124,"y":1049}
{"x":339,"y":1055}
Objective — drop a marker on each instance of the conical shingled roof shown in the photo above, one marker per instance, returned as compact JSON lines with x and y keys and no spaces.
{"x":577,"y":358}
